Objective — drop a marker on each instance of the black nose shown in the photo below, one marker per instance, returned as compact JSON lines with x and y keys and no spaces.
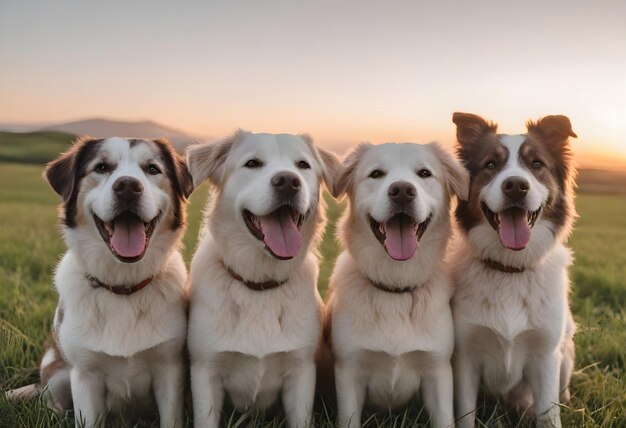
{"x":515,"y":188}
{"x":286,"y":183}
{"x":401,"y":192}
{"x":127,"y":188}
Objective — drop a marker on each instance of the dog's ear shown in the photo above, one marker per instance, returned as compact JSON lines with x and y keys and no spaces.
{"x":62,"y":173}
{"x":328,"y":162}
{"x":206,"y":161}
{"x":330,"y":168}
{"x":180,"y":176}
{"x":470,"y":128}
{"x":457,"y":178}
{"x":556,"y":128}
{"x":345,"y":181}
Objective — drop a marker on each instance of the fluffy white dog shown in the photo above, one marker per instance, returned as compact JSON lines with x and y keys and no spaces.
{"x":120,"y":325}
{"x":255,"y":311}
{"x":389,"y":312}
{"x":513,"y":323}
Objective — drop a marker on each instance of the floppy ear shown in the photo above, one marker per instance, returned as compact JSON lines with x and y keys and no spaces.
{"x":345,"y":181}
{"x":554,"y":127}
{"x":328,"y":162}
{"x":470,"y":128}
{"x":456,"y":177}
{"x":206,"y":161}
{"x":330,"y":168}
{"x":181,"y":178}
{"x":62,"y":172}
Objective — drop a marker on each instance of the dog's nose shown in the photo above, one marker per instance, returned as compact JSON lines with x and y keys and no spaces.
{"x":286,"y":183}
{"x":401,"y":192}
{"x":515,"y":188}
{"x":127,"y":188}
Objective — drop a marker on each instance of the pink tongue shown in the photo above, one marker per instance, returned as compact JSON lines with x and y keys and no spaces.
{"x":514,"y":229}
{"x":401,"y":240}
{"x":129,"y":237}
{"x":280,"y":234}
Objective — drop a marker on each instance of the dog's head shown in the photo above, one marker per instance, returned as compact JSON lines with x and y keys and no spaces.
{"x":521,"y":185}
{"x":268,"y":190}
{"x":397,"y":193}
{"x":120,"y":195}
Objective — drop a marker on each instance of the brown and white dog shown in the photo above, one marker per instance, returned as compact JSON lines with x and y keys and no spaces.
{"x":255,"y":312}
{"x":120,"y":324}
{"x":389,"y":315}
{"x":513,"y":325}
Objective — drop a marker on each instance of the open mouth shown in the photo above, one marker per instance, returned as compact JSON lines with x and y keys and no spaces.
{"x":399,"y":235}
{"x":279,"y":231}
{"x":127,"y":235}
{"x":513,"y":225}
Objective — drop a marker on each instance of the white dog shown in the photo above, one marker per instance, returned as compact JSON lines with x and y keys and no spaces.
{"x":120,"y":325}
{"x":512,"y":318}
{"x":389,"y":312}
{"x":255,"y":311}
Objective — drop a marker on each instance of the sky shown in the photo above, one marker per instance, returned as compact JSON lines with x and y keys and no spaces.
{"x":343,"y":71}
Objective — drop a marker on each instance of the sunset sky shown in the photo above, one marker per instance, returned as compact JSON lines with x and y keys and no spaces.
{"x":344,"y":71}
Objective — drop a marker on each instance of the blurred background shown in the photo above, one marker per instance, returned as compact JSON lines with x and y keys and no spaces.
{"x":345,"y":72}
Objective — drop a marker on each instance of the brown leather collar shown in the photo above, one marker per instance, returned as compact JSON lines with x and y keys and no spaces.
{"x":256,"y":286}
{"x":492,"y":264}
{"x":123,"y":290}
{"x":386,"y":288}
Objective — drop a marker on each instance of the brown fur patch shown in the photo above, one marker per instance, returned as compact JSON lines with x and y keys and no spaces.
{"x":475,"y":153}
{"x":180,"y":179}
{"x":65,"y":173}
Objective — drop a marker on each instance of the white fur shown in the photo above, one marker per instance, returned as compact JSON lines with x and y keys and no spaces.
{"x":253,"y":346}
{"x":388,"y":347}
{"x":492,"y":193}
{"x":120,"y":348}
{"x":513,"y":331}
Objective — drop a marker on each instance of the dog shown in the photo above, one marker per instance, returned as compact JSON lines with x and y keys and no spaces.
{"x":255,"y":312}
{"x":513,"y":325}
{"x":120,"y":324}
{"x":388,"y":320}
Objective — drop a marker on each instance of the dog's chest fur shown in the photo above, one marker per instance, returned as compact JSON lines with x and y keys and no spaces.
{"x":97,"y":321}
{"x":253,"y":338}
{"x":400,"y":336}
{"x":502,"y":319}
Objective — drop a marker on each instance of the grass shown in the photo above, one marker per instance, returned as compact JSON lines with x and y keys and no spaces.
{"x":30,"y":247}
{"x":33,"y":147}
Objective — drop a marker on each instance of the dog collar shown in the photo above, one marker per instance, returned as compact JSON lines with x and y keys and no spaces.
{"x":492,"y":264}
{"x":388,"y":289}
{"x":123,"y":290}
{"x":256,"y":286}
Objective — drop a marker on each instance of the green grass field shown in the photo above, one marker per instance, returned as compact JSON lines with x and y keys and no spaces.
{"x":30,"y":246}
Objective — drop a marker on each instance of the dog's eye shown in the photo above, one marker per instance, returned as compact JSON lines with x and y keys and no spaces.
{"x":101,"y":168}
{"x":424,"y":173}
{"x":537,"y":164}
{"x":377,"y":173}
{"x":490,"y":165}
{"x":253,"y":163}
{"x":153,"y":169}
{"x":303,"y":165}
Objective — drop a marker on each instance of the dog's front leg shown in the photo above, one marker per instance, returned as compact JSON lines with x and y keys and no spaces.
{"x":466,"y":384}
{"x":88,"y":395}
{"x":543,"y":376}
{"x":437,"y":392}
{"x":298,"y":395}
{"x":208,"y":396}
{"x":350,"y":395}
{"x":168,"y":389}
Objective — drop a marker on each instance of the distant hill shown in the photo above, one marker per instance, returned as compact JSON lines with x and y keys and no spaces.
{"x":101,"y":128}
{"x":33,"y":147}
